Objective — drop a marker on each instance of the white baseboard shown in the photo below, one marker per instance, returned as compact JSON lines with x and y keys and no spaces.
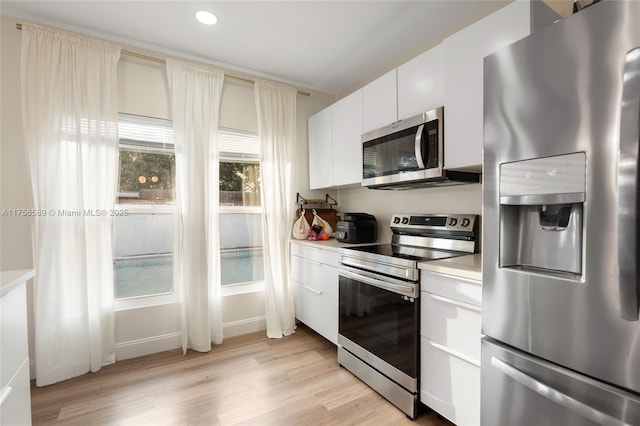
{"x":245,"y":326}
{"x":147,"y":346}
{"x":166,"y":342}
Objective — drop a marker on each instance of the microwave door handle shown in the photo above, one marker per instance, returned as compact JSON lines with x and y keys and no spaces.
{"x":419,"y":146}
{"x":627,"y":189}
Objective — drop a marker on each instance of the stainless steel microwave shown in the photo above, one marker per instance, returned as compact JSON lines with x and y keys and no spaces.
{"x":408,"y":151}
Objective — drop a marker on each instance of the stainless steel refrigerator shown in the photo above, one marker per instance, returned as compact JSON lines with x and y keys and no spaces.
{"x":560,"y":255}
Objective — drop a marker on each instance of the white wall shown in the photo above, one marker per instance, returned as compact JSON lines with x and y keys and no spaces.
{"x":460,"y":199}
{"x":143,"y":90}
{"x":15,"y":183}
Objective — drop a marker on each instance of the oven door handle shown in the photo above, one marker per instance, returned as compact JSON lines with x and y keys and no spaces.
{"x":390,"y":284}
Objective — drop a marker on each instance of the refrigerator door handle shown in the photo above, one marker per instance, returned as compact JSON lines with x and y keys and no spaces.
{"x":627,"y":187}
{"x":555,"y":395}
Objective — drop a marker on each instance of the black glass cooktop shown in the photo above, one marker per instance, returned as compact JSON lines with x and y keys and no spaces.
{"x":406,"y":252}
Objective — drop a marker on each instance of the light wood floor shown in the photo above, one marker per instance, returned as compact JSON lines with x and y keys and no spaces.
{"x":248,"y":380}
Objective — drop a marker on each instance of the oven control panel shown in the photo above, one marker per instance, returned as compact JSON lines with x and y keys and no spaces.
{"x":452,"y":222}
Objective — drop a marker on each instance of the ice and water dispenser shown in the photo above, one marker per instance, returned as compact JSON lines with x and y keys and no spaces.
{"x":541,"y":214}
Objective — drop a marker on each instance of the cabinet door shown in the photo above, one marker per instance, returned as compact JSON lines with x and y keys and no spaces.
{"x":450,"y":385}
{"x":320,"y":150}
{"x":464,"y":54}
{"x":421,"y":83}
{"x":380,"y":102}
{"x":315,"y":289}
{"x":298,"y":301}
{"x":318,"y":253}
{"x":346,"y":122}
{"x":451,"y":323}
{"x":321,"y":313}
{"x":13,"y":332}
{"x":15,"y":407}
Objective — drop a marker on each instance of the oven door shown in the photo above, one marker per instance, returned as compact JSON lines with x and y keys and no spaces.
{"x":378,"y":322}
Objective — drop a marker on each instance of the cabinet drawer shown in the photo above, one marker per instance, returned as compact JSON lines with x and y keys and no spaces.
{"x":16,"y":398}
{"x":316,"y":254}
{"x":321,"y":314}
{"x":457,"y":288}
{"x":13,"y":332}
{"x":451,"y":323}
{"x":449,"y":385}
{"x":316,"y":276}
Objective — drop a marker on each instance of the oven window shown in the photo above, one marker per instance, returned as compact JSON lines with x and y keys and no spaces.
{"x":382,"y":322}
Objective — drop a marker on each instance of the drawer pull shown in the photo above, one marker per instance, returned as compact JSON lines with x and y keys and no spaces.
{"x":454,"y":277}
{"x":311,"y":262}
{"x":456,"y":302}
{"x":313,"y":290}
{"x":455,"y":353}
{"x":4,"y":394}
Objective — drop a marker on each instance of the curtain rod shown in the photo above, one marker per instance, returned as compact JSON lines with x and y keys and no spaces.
{"x":162,"y":61}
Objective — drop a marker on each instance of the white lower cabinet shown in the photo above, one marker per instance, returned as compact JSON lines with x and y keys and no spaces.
{"x":450,"y":327}
{"x":451,"y":384}
{"x":15,"y":398}
{"x":15,"y":391}
{"x":314,"y":272}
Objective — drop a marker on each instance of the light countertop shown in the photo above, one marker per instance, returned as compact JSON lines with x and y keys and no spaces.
{"x":469,"y":266}
{"x":11,"y":279}
{"x":330,"y":244}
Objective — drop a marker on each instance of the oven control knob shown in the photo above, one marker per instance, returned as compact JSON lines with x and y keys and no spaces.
{"x":465,"y":222}
{"x":453,"y":221}
{"x":396,"y":220}
{"x":405,"y":220}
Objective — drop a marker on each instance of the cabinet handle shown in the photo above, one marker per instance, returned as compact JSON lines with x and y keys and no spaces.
{"x":4,"y":394}
{"x":456,"y":302}
{"x":455,"y":353}
{"x":455,"y":277}
{"x":311,"y":262}
{"x":312,"y":290}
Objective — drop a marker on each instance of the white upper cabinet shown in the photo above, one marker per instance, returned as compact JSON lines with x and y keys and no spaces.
{"x":379,"y":100}
{"x":421,"y":83}
{"x":449,"y":74}
{"x":346,"y":119}
{"x":464,"y":54}
{"x":335,"y":147}
{"x":320,"y":150}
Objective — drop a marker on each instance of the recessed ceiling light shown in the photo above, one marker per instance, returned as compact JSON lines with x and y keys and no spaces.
{"x":206,"y":17}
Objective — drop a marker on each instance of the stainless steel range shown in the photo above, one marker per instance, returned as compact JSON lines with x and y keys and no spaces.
{"x":379,"y":317}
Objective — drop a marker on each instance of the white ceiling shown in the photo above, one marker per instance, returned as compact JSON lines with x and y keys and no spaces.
{"x":323,"y":45}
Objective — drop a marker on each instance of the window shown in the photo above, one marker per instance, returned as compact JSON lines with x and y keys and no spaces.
{"x":143,"y":239}
{"x":241,"y":252}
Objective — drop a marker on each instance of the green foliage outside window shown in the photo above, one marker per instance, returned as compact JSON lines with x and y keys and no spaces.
{"x":146,"y":175}
{"x":239,"y":183}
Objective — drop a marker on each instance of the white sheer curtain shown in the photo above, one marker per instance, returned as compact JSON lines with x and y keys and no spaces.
{"x":276,"y":108}
{"x":69,"y":100}
{"x":195,"y":98}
